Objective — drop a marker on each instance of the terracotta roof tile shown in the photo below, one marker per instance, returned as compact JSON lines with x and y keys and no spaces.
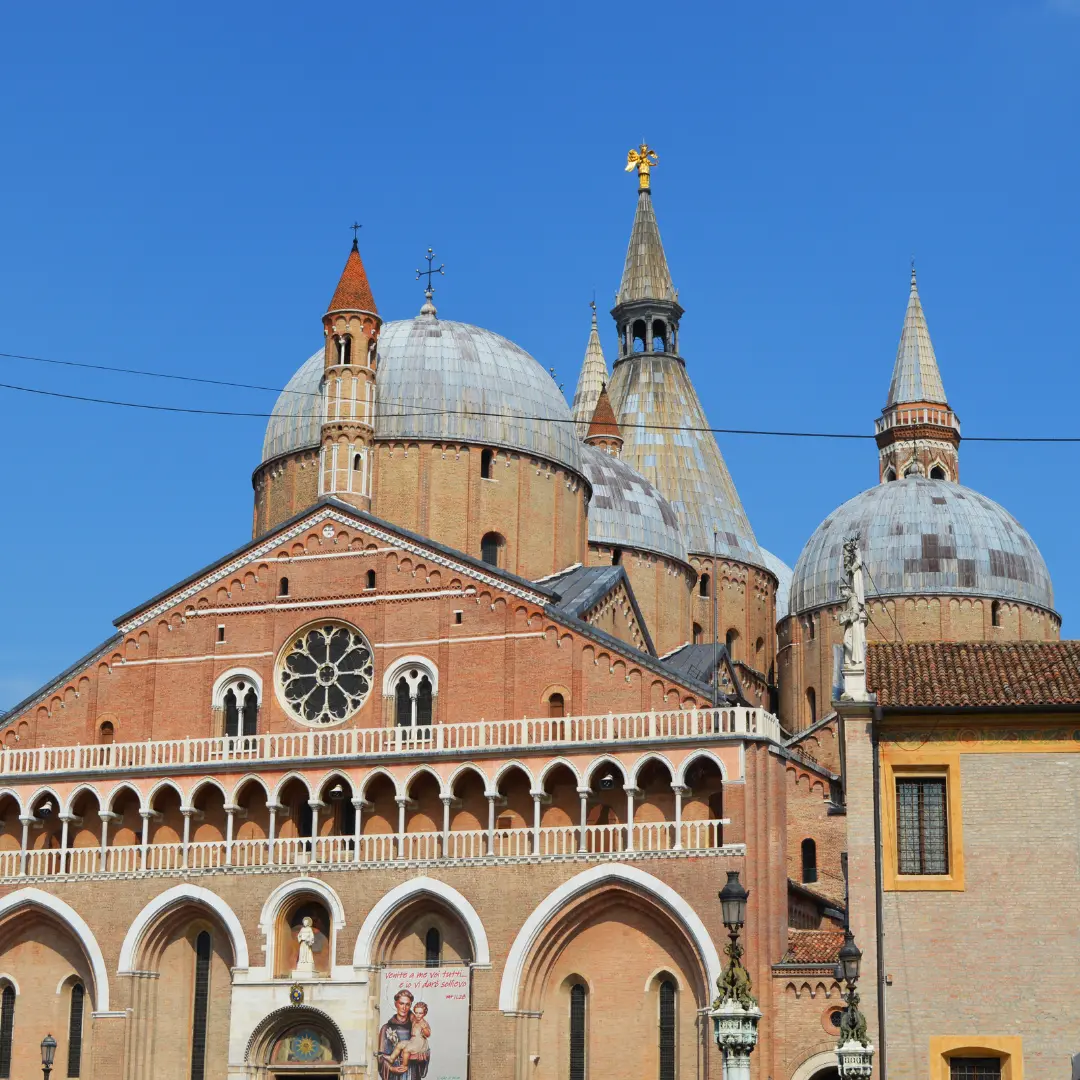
{"x":603,"y":424}
{"x":353,"y":293}
{"x":813,"y":946}
{"x":975,"y":674}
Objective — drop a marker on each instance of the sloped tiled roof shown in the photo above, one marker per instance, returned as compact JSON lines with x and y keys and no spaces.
{"x":975,"y":674}
{"x":594,"y":375}
{"x":813,"y":946}
{"x":646,"y":275}
{"x":915,"y":375}
{"x":353,"y":293}
{"x":603,"y":423}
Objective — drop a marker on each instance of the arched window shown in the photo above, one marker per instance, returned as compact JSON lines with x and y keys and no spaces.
{"x":659,"y":336}
{"x":345,"y":349}
{"x":423,"y":701}
{"x":200,"y":1006}
{"x":667,"y":1030}
{"x":402,"y":703}
{"x":239,"y":701}
{"x":938,"y":473}
{"x":759,"y":645}
{"x":487,"y":464}
{"x":809,"y":860}
{"x":731,"y":639}
{"x":890,"y":474}
{"x":432,"y":948}
{"x":75,"y":1027}
{"x":371,"y":579}
{"x":7,"y":1028}
{"x":489,"y":548}
{"x":616,"y":556}
{"x":577,"y":1032}
{"x":995,"y":613}
{"x":811,"y":628}
{"x":697,"y":636}
{"x":283,"y":587}
{"x":357,"y":462}
{"x":638,"y":336}
{"x":106,"y":733}
{"x":556,"y":704}
{"x":811,"y":705}
{"x":703,"y":585}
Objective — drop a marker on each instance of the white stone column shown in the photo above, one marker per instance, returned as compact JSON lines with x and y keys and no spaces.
{"x":358,"y":832}
{"x":680,"y":790}
{"x":316,"y":805}
{"x":188,"y":813}
{"x":491,"y":797}
{"x":736,"y":1035}
{"x":106,"y":816}
{"x":402,"y":802}
{"x":26,"y":823}
{"x":631,"y":792}
{"x":447,"y":801}
{"x":583,"y":794}
{"x":144,"y":842}
{"x":272,"y":809}
{"x":537,"y":797}
{"x":65,"y":839}
{"x":230,"y":812}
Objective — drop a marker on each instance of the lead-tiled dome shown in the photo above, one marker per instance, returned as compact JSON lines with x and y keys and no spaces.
{"x":431,"y":373}
{"x":924,"y":537}
{"x":626,"y":510}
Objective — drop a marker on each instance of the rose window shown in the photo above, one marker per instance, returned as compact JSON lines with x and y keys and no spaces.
{"x":325,"y":673}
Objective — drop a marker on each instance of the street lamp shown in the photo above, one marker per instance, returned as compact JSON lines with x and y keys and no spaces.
{"x":735,"y":1014}
{"x":48,"y":1052}
{"x":854,"y":1052}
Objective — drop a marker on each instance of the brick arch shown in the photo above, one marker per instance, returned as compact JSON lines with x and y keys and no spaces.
{"x":271,"y":1026}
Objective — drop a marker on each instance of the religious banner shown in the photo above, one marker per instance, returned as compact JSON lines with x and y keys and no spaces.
{"x":424,"y":1023}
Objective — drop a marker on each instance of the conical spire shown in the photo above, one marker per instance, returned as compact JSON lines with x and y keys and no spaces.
{"x":353,"y":293}
{"x":604,"y":428}
{"x":646,"y":275}
{"x":915,"y":375}
{"x":591,"y":381}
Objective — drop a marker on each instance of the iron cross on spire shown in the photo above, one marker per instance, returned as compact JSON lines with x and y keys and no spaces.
{"x":356,"y":227}
{"x":430,"y":272}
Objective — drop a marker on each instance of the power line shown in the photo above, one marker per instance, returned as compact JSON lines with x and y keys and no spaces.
{"x":420,"y":411}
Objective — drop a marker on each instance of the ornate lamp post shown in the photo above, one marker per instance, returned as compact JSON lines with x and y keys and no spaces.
{"x":735,"y":1014}
{"x":48,"y":1052}
{"x":854,"y":1052}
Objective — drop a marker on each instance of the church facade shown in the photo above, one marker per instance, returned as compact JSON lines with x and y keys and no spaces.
{"x":439,"y":773}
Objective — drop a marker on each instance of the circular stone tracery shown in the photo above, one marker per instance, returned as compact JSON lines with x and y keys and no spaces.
{"x":325,"y":673}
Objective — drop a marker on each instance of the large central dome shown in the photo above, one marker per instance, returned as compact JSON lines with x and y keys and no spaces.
{"x":441,"y":380}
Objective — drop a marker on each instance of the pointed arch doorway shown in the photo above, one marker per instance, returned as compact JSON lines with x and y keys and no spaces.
{"x":297,"y":1043}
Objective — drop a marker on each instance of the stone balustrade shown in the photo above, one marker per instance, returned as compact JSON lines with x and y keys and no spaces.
{"x":350,"y":744}
{"x":326,"y":852}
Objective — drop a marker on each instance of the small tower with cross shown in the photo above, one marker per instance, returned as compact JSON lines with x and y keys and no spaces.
{"x":351,"y":328}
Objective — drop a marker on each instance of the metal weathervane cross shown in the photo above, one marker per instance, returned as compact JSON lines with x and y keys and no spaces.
{"x":356,"y":227}
{"x":430,"y":272}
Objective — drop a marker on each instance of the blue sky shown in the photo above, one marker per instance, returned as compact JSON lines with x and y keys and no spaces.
{"x":177,"y":183}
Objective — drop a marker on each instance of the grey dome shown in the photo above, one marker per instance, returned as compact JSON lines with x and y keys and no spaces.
{"x":784,"y":575}
{"x":921,"y":536}
{"x":626,"y":510}
{"x":430,"y":372}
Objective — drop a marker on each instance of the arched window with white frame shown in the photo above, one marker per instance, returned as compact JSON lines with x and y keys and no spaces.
{"x":238,"y":696}
{"x":410,"y":689}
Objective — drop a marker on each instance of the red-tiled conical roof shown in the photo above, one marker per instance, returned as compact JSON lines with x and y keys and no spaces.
{"x":353,"y":293}
{"x":603,"y":424}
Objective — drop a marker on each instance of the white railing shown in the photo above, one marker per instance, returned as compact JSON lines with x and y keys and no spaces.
{"x":559,"y":841}
{"x":343,"y":743}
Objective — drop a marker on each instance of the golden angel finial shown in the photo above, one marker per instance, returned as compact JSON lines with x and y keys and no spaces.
{"x":643,"y":159}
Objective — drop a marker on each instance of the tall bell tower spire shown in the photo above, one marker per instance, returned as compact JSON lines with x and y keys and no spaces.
{"x":917,"y":433}
{"x":351,"y":327}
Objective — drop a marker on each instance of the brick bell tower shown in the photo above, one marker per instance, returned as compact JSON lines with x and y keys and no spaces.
{"x":351,"y":328}
{"x":917,"y":433}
